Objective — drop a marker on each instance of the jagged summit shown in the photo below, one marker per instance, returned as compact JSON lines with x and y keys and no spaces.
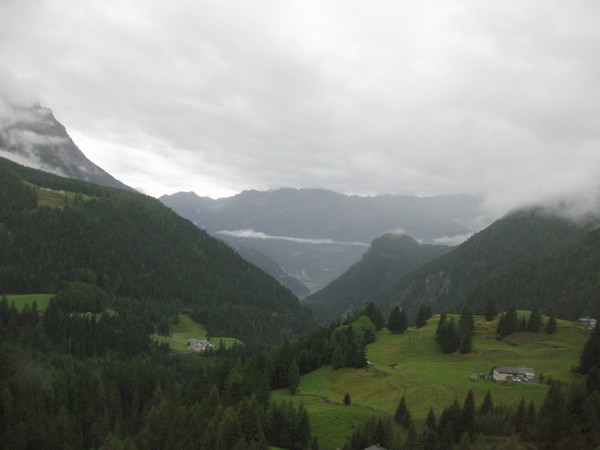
{"x":31,"y":135}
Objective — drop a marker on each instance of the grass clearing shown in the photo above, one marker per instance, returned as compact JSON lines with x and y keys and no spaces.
{"x":56,"y":198}
{"x":187,"y":329}
{"x":329,"y":421}
{"x":20,"y":301}
{"x":411,"y":364}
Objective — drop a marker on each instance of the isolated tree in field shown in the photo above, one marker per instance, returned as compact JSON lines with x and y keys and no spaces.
{"x":508,"y":323}
{"x":440,"y":326}
{"x":466,"y":344}
{"x":423,"y":314}
{"x":490,"y":310}
{"x":397,"y":322}
{"x":448,"y":337}
{"x":466,"y":329}
{"x":347,"y":399}
{"x":534,"y":324}
{"x":551,"y":325}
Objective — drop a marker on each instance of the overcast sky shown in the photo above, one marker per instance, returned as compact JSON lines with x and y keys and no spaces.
{"x":371,"y":97}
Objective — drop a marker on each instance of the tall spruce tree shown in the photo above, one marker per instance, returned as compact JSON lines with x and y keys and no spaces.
{"x":423,"y":314}
{"x":590,"y":355}
{"x":397,"y":322}
{"x":534,"y":324}
{"x":487,"y":406}
{"x":551,"y":325}
{"x":490,"y":310}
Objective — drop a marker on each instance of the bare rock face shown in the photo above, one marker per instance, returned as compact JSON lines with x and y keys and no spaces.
{"x":31,"y":136}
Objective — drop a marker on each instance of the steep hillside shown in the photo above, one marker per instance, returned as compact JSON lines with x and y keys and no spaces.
{"x":566,"y":282}
{"x":449,"y":281}
{"x":316,"y":235}
{"x":267,"y":264}
{"x":55,"y":230}
{"x":374,"y":277}
{"x":33,"y":137}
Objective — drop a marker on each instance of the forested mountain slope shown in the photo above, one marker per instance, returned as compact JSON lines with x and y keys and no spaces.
{"x":266,"y":263}
{"x":130,"y":245}
{"x":450,"y":280}
{"x":566,"y":282}
{"x":374,"y":277}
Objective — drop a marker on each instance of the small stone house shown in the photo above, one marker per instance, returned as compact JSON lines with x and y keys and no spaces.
{"x":199,"y":345}
{"x":507,"y":373}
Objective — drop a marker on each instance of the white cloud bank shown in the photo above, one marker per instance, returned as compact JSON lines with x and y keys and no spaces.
{"x":251,"y":234}
{"x":461,"y":96}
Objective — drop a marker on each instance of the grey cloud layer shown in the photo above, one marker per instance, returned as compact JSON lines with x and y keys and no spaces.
{"x":427,"y":98}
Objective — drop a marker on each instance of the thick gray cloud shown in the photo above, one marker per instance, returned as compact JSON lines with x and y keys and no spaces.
{"x":430,"y":97}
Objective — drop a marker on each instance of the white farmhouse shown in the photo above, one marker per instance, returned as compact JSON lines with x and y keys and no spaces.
{"x":507,"y":373}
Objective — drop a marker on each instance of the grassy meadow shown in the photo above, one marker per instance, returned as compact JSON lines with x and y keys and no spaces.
{"x":20,"y":301}
{"x":187,"y":329}
{"x":411,"y":364}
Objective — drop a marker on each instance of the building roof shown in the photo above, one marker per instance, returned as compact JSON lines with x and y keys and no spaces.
{"x":514,"y":370}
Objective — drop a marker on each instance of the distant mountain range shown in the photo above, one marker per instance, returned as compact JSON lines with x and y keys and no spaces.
{"x":33,"y":137}
{"x":316,"y":235}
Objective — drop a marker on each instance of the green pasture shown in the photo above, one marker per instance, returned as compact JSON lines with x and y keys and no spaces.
{"x":330,"y":422}
{"x":20,"y":301}
{"x":187,"y":329}
{"x":55,"y":198}
{"x":411,"y":364}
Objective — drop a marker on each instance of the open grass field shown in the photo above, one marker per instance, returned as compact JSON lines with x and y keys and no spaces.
{"x":411,"y":364}
{"x":331,"y":422}
{"x":54,"y":198}
{"x":20,"y":301}
{"x":187,"y":329}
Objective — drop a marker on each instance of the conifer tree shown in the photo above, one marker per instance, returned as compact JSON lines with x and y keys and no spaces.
{"x":490,"y":310}
{"x":487,"y":407}
{"x":519,"y":415}
{"x":448,"y":338}
{"x":397,"y":322}
{"x":466,"y":344}
{"x":423,"y":314}
{"x":347,"y":399}
{"x":402,"y":414}
{"x":590,"y":355}
{"x":440,"y":326}
{"x":467,"y":416}
{"x":534,"y":324}
{"x":553,"y":419}
{"x":551,"y":325}
{"x":373,"y":313}
{"x":430,"y":421}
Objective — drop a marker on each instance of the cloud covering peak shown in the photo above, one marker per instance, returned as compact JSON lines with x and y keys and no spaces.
{"x":418,"y":98}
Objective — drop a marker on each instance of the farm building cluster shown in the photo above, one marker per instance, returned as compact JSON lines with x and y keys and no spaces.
{"x":199,"y":345}
{"x":516,"y":374}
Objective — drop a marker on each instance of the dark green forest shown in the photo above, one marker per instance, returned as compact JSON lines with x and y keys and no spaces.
{"x":86,"y":374}
{"x":374,"y":277}
{"x":131,"y":246}
{"x":528,"y":258}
